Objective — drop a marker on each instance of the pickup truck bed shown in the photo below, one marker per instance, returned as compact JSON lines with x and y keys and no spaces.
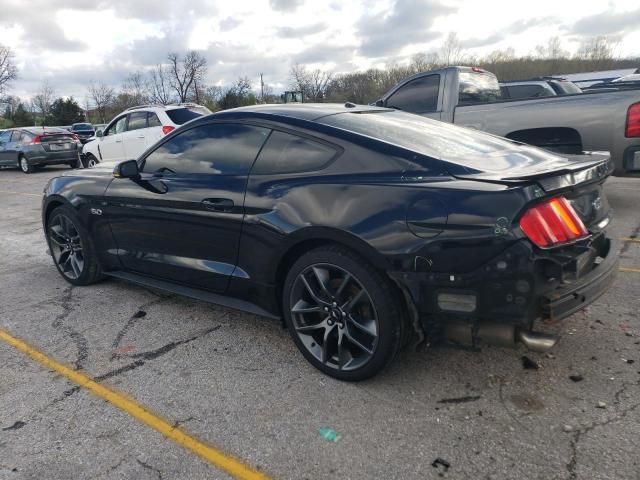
{"x":591,"y":121}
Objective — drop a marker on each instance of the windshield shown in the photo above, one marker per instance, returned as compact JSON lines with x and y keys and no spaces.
{"x":82,"y":126}
{"x":464,"y":146}
{"x":183,"y":115}
{"x":478,"y":87}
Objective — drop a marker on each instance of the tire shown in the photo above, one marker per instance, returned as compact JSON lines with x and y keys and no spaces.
{"x":71,"y":248}
{"x":349,"y":329}
{"x":23,"y":164}
{"x":76,"y":164}
{"x":90,"y":161}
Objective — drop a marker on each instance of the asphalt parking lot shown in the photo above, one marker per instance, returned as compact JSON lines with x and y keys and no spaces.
{"x":237,"y":383}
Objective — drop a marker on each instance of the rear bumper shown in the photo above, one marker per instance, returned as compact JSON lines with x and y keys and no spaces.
{"x":518,"y":287}
{"x":569,"y":299}
{"x":57,"y":158}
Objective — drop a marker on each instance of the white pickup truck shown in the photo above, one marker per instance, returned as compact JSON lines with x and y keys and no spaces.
{"x":469,"y":96}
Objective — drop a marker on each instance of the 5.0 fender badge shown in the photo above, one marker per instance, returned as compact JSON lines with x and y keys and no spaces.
{"x":96,"y":211}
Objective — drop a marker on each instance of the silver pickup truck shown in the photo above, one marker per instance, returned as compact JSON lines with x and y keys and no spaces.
{"x":469,"y":96}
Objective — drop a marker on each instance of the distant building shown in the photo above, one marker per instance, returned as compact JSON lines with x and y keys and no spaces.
{"x":589,"y":78}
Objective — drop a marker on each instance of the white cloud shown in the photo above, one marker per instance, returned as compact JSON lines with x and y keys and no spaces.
{"x":79,"y":40}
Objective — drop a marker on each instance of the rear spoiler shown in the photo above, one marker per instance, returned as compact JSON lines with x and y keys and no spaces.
{"x":590,"y":166}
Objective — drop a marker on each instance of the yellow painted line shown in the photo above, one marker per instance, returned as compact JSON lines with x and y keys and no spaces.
{"x":626,"y":269}
{"x":21,"y":193}
{"x":229,"y":464}
{"x":629,"y":239}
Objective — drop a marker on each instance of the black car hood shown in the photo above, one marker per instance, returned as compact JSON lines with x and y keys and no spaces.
{"x":99,"y":170}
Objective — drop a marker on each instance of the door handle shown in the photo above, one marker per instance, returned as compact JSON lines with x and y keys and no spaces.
{"x":140,"y":136}
{"x":218,"y":204}
{"x":118,"y":141}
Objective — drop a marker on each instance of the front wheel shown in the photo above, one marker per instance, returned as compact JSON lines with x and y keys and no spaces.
{"x":90,"y":161}
{"x":71,"y":247}
{"x":343,"y":314}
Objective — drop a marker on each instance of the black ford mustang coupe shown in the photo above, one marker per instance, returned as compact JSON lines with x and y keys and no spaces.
{"x":365,"y":228}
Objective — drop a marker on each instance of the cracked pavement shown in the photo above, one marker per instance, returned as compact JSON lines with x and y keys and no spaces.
{"x":237,"y":382}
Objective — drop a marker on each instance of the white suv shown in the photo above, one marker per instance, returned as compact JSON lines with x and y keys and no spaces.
{"x":129,"y":134}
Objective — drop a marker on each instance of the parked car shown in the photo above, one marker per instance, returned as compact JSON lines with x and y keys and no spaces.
{"x":136,"y":129}
{"x":604,"y":121}
{"x":365,"y":227}
{"x":84,"y":131}
{"x":538,"y":87}
{"x":31,"y":147}
{"x":627,"y":82}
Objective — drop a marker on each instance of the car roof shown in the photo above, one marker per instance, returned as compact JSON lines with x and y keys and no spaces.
{"x":300,"y":111}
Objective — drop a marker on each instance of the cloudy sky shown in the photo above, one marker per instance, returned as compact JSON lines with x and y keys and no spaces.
{"x":73,"y":42}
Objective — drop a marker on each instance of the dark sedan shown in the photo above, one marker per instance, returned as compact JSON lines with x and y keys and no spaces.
{"x":84,"y":131}
{"x":31,"y":147}
{"x":366,"y":228}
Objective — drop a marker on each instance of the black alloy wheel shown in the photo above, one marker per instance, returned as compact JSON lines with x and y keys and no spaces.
{"x":66,"y":246}
{"x":71,"y":248}
{"x":342,"y":313}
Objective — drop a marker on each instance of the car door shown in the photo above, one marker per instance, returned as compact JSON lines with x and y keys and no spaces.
{"x":134,"y":139}
{"x":111,"y":147}
{"x":181,"y":219}
{"x":5,"y":138}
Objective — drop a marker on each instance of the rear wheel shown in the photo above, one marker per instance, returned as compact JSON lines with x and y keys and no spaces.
{"x":75,"y":164}
{"x":23,"y":164}
{"x":71,"y":248}
{"x":342,"y":313}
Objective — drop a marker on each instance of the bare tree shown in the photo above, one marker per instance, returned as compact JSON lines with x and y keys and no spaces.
{"x":422,"y":62}
{"x":552,"y":50}
{"x":186,"y":73}
{"x":103,"y":97}
{"x":136,"y":89}
{"x":43,"y":99}
{"x":451,"y":52}
{"x":159,"y":86}
{"x":313,"y":83}
{"x":8,"y":70}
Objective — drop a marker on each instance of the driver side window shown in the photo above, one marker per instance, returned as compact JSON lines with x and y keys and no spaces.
{"x":118,"y":127}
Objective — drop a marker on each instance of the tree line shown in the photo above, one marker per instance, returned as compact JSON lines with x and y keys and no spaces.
{"x":182,"y":78}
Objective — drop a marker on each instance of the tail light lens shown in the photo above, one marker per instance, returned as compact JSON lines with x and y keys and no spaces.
{"x":552,"y":223}
{"x":633,"y":121}
{"x":167,"y":129}
{"x":35,"y":140}
{"x":76,"y":139}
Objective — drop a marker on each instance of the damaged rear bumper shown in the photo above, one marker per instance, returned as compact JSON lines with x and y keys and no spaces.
{"x":568,"y":299}
{"x":517,"y":288}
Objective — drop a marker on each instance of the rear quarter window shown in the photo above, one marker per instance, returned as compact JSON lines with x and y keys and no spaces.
{"x":180,"y":116}
{"x":287,"y":153}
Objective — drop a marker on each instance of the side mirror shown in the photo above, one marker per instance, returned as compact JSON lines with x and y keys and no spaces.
{"x":380,"y":103}
{"x":127,"y":169}
{"x":99,"y":133}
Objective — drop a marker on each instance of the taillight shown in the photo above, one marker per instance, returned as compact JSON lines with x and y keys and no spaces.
{"x":76,"y":138}
{"x":167,"y":129}
{"x":551,"y":223}
{"x":36,"y":139}
{"x":633,"y":121}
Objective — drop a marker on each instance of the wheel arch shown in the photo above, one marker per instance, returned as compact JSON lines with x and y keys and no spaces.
{"x":315,"y":237}
{"x":562,"y":139}
{"x":51,"y":203}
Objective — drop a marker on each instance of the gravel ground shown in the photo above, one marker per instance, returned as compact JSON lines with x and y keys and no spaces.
{"x":237,"y":382}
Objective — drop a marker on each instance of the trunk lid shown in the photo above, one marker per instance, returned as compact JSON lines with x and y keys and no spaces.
{"x":579,"y":178}
{"x":57,"y":142}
